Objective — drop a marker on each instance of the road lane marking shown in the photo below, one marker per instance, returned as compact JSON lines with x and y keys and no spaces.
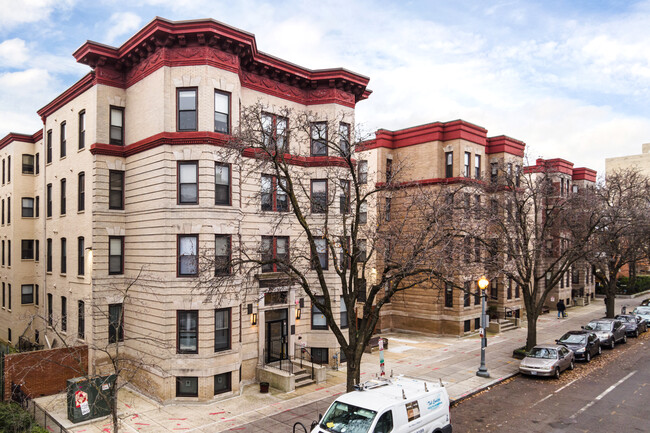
{"x":545,"y":398}
{"x":554,"y":392}
{"x":603,"y":394}
{"x":560,"y":389}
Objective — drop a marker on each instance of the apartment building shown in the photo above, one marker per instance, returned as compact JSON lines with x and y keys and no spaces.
{"x":131,"y":183}
{"x":639,"y":162}
{"x":456,"y":160}
{"x":578,"y":284}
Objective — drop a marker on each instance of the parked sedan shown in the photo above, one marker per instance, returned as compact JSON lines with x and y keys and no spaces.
{"x":643,"y":312}
{"x":634,"y":325}
{"x":584,"y":344}
{"x":609,"y":331}
{"x":547,"y":360}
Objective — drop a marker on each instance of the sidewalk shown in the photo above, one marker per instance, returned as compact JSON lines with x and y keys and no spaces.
{"x":451,"y":359}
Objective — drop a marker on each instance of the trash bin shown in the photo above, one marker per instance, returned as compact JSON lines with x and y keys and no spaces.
{"x":264,"y":387}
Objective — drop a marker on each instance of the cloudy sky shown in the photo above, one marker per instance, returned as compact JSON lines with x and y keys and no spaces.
{"x":570,"y":78}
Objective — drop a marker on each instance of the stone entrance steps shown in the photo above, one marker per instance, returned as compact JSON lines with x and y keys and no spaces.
{"x":302,"y":378}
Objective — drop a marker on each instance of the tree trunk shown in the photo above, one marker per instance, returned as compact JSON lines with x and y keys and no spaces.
{"x":632,"y":274}
{"x":610,"y":298}
{"x":114,"y":409}
{"x":531,"y":337}
{"x":353,"y":373}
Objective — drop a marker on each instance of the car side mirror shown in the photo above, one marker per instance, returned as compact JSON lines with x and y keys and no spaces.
{"x":582,"y":327}
{"x":557,"y":341}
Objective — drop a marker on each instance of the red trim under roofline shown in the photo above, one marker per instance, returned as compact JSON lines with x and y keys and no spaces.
{"x":435,"y":181}
{"x":584,"y":173}
{"x":72,"y":92}
{"x":437,"y":131}
{"x":206,"y":138}
{"x":25,"y":138}
{"x":505,"y":144}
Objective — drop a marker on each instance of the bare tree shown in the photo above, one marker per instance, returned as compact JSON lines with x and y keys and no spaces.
{"x":354,"y":240}
{"x":111,"y":357}
{"x":534,"y":233}
{"x":623,"y":233}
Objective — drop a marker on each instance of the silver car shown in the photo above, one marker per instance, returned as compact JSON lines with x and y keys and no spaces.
{"x":609,"y":331}
{"x":547,"y":360}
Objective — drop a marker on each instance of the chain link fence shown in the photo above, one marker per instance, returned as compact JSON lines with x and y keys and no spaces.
{"x":43,"y":418}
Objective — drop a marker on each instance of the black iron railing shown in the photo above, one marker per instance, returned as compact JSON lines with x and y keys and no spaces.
{"x":282,"y":363}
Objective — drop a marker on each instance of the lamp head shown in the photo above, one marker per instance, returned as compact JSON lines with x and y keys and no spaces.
{"x":483,"y":283}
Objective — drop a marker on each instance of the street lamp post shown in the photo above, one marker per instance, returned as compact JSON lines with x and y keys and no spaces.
{"x":482,"y":285}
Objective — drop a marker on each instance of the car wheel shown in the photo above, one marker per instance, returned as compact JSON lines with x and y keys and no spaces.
{"x":588,"y":357}
{"x":624,"y":339}
{"x":572,"y":365}
{"x":600,"y":350}
{"x":557,"y":372}
{"x":612,"y":344}
{"x":636,"y":334}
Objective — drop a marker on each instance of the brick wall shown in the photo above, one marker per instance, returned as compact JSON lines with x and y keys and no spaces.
{"x":44,"y":372}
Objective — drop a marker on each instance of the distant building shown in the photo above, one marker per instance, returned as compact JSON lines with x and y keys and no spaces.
{"x":640,"y":162}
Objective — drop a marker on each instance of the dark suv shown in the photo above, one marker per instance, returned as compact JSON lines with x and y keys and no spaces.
{"x":609,"y":331}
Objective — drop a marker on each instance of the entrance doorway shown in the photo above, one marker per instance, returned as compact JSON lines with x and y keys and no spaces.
{"x":277,"y":342}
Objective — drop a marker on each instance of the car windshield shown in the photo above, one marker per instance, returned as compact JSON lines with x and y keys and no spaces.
{"x":346,"y":418}
{"x":629,"y":319}
{"x":642,"y":310}
{"x":599,"y":326}
{"x":573,"y":338}
{"x":542,"y":352}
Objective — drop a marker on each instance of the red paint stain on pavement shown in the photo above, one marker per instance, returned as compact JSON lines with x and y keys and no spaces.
{"x":141,"y":423}
{"x":318,"y":389}
{"x":217,"y":413}
{"x":178,"y":419}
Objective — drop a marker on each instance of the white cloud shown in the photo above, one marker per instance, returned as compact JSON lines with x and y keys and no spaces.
{"x":13,"y":53}
{"x":121,"y":24}
{"x":28,"y":11}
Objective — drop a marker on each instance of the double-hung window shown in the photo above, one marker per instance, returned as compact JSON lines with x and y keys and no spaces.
{"x":28,"y":164}
{"x":319,"y":196}
{"x":221,"y":112}
{"x":274,"y":196}
{"x":81,"y":268}
{"x":116,"y":189}
{"x":82,"y":129}
{"x":115,"y":255}
{"x":222,"y":329}
{"x":321,"y":253}
{"x":27,"y":210}
{"x":37,"y":161}
{"x":188,"y":182}
{"x":27,"y":294}
{"x":477,"y":166}
{"x":188,"y":255}
{"x":494,"y":171}
{"x":222,"y":181}
{"x":467,"y":288}
{"x":187,"y":119}
{"x":362,"y":175}
{"x":63,"y":197}
{"x":48,"y":147}
{"x":63,"y":140}
{"x":344,"y":196}
{"x":449,"y":295}
{"x":48,"y":211}
{"x":344,"y":139}
{"x":117,"y":126}
{"x":319,"y":139}
{"x":64,"y":255}
{"x":274,"y":249}
{"x":387,"y":208}
{"x":222,"y":254}
{"x":344,"y":314}
{"x":48,"y":258}
{"x":27,"y":249}
{"x":449,"y":164}
{"x":81,"y":320}
{"x":468,"y":157}
{"x":317,"y":317}
{"x":275,"y":132}
{"x":188,"y":331}
{"x":64,"y":314}
{"x":115,"y":323}
{"x":81,"y":192}
{"x":363,"y":212}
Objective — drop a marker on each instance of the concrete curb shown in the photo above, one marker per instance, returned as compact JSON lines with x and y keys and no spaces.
{"x":456,"y":401}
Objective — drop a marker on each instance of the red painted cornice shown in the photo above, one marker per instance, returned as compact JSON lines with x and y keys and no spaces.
{"x":209,"y":138}
{"x":77,"y":89}
{"x":437,"y":131}
{"x":199,"y":42}
{"x":584,"y":173}
{"x":556,"y":165}
{"x":25,"y":138}
{"x":505,"y":144}
{"x":434,"y":181}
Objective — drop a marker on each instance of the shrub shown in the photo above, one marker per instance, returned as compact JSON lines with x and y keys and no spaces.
{"x":14,"y":419}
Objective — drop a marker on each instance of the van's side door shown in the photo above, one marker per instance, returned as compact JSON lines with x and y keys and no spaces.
{"x":384,"y":423}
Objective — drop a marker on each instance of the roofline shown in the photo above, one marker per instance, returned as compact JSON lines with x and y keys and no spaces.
{"x":18,"y":136}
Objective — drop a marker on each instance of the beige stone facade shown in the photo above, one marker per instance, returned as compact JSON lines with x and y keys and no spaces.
{"x":640,"y":162}
{"x":131,"y":148}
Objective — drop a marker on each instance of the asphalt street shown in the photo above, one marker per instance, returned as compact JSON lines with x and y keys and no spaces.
{"x":609,"y":394}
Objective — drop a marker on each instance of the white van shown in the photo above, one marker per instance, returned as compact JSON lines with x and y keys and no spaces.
{"x":396,"y":405}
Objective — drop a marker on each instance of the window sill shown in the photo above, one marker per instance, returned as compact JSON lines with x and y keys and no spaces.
{"x":81,"y":211}
{"x":228,"y":351}
{"x":81,"y":150}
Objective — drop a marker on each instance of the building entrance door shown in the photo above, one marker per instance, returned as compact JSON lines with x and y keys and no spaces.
{"x":276,"y":335}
